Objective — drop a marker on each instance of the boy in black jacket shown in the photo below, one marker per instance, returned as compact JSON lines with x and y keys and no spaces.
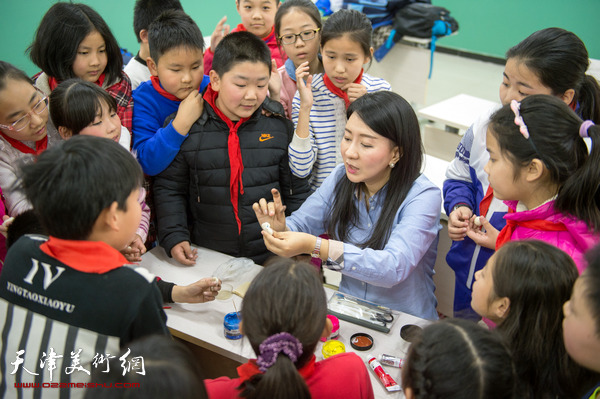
{"x":68,"y":301}
{"x":234,"y":155}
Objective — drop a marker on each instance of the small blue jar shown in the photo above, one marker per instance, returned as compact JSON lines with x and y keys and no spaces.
{"x":231,"y":325}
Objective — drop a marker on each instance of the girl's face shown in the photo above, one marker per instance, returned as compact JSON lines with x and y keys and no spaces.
{"x":106,"y":124}
{"x":91,"y":59}
{"x":343,"y":59}
{"x":483,"y":290}
{"x":367,"y":154}
{"x":500,"y":172}
{"x":579,"y":329}
{"x":519,"y":81}
{"x":19,"y":99}
{"x":297,"y":22}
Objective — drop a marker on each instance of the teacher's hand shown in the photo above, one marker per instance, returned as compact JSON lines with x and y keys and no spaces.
{"x":272,"y":212}
{"x":289,"y":243}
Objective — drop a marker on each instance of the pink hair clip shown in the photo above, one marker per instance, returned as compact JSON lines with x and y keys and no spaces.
{"x":515,"y":106}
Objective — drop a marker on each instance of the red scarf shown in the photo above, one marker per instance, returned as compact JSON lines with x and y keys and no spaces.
{"x":235,"y":153}
{"x":161,"y":91}
{"x":339,"y":92}
{"x":53,"y":82}
{"x":242,"y":28}
{"x":511,"y":225}
{"x":84,"y":256}
{"x":40,"y":145}
{"x":485,"y":203}
{"x":247,"y":370}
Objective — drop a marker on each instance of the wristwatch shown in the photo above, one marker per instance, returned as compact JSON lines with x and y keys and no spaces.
{"x":316,"y":253}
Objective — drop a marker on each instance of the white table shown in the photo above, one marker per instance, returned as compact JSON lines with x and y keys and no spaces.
{"x":458,"y":112}
{"x":202,"y":324}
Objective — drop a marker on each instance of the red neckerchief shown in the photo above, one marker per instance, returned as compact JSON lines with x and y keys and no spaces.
{"x":235,"y":152}
{"x":161,"y":91}
{"x":339,"y":92}
{"x":573,"y":105}
{"x":511,"y":225}
{"x":247,"y":370}
{"x":242,"y":28}
{"x":84,"y":256}
{"x":40,"y":145}
{"x":53,"y":82}
{"x":485,"y":203}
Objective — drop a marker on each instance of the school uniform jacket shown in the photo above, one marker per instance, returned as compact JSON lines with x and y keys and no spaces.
{"x":46,"y":305}
{"x":197,"y":181}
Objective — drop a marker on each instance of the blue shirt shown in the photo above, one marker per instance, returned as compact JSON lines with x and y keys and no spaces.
{"x":400,"y":275}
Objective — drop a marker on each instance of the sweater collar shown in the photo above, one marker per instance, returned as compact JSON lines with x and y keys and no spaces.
{"x":247,"y":370}
{"x":339,"y":92}
{"x":236,"y":187}
{"x":84,"y":256}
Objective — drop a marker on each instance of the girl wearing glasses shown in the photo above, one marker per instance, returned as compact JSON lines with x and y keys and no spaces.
{"x":319,"y":107}
{"x":23,"y":130}
{"x":297,"y":27}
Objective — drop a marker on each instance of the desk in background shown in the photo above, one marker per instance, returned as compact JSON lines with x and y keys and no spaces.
{"x":202,"y":324}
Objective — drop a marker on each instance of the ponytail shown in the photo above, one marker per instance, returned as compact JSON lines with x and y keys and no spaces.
{"x":579,"y":196}
{"x":588,"y":98}
{"x":281,"y":380}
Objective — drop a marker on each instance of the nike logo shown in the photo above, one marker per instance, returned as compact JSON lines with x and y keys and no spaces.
{"x":265,"y":137}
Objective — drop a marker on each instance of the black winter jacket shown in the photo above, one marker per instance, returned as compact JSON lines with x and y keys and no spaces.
{"x":192,"y":195}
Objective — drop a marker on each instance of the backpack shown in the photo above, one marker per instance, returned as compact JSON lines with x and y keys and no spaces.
{"x":380,"y":12}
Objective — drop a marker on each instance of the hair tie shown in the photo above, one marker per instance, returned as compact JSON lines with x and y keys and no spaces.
{"x":516,"y":106}
{"x":583,"y":129}
{"x":271,"y":347}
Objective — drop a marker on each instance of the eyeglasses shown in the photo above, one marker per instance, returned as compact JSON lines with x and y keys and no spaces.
{"x":305,"y":36}
{"x":24,"y":121}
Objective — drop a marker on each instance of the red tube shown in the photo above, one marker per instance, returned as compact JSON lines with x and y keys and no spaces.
{"x":386,"y":379}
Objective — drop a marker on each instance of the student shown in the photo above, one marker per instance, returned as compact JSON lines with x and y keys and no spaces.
{"x":81,"y":107}
{"x":257,"y":18}
{"x":550,"y":61}
{"x":380,"y":212}
{"x":539,"y":165}
{"x":298,"y":30}
{"x":581,"y":324}
{"x":72,"y":289}
{"x":232,"y":157}
{"x":177,"y":81}
{"x":284,"y":314}
{"x":24,"y":130}
{"x":144,"y":12}
{"x":319,"y":107}
{"x":73,"y":41}
{"x":5,"y":222}
{"x":522,"y":289}
{"x":455,"y":359}
{"x":170,"y":371}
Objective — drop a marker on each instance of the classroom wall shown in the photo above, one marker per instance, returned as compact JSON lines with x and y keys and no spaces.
{"x":491,"y":27}
{"x":487,"y":27}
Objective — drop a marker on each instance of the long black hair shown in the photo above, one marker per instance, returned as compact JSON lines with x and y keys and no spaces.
{"x":391,"y":116}
{"x":560,"y":60}
{"x":286,"y":296}
{"x":554,"y":139}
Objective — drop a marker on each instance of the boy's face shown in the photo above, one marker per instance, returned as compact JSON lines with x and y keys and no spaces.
{"x":180,"y":70}
{"x":242,"y":89}
{"x":258,"y":16}
{"x":129,"y":220}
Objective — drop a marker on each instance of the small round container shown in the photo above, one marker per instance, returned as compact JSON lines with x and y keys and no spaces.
{"x":335,"y":331}
{"x":231,"y":325}
{"x":361,"y":341}
{"x":332,"y":347}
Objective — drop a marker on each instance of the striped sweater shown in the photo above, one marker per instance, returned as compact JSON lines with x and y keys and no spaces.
{"x":319,"y":153}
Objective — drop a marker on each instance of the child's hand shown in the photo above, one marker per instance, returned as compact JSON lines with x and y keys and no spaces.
{"x":221,"y":30}
{"x":6,"y":221}
{"x":190,"y":110}
{"x":484,"y":234}
{"x":135,"y":250}
{"x":289,"y":243}
{"x":458,"y":223}
{"x":272,"y":212}
{"x":274,"y":83}
{"x":204,"y":290}
{"x":184,"y":254}
{"x":304,"y":88}
{"x":354,"y":91}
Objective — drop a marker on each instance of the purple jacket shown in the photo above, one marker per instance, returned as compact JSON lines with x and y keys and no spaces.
{"x":575,"y":241}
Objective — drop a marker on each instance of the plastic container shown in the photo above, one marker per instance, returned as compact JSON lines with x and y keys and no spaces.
{"x":231,"y":325}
